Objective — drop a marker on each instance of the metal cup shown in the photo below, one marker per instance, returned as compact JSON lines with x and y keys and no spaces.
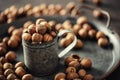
{"x":42,"y":59}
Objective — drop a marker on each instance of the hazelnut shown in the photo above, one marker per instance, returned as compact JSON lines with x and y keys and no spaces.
{"x":36,"y":9}
{"x":17,"y":32}
{"x":19,"y":64}
{"x":58,"y":27}
{"x":1,"y":66}
{"x":100,"y":35}
{"x":10,"y":20}
{"x":63,"y":12}
{"x":15,"y":37}
{"x":2,"y":60}
{"x":27,"y":77}
{"x":70,"y":36}
{"x":97,"y":13}
{"x":77,"y":79}
{"x":70,"y":69}
{"x":10,"y":56}
{"x":88,"y":77}
{"x":2,"y":51}
{"x":12,"y":43}
{"x":20,"y":71}
{"x":2,"y":44}
{"x":83,"y":33}
{"x":76,"y":28}
{"x":97,"y":2}
{"x":36,"y":37}
{"x":21,"y":12}
{"x":11,"y":29}
{"x":44,"y":23}
{"x":5,"y":40}
{"x":92,"y":33}
{"x":82,"y":73}
{"x":86,"y":63}
{"x":81,"y":20}
{"x":8,"y":71}
{"x":52,"y":24}
{"x":47,"y":38}
{"x":32,"y":28}
{"x":76,"y":57}
{"x":58,"y":7}
{"x":103,"y":42}
{"x":27,"y":7}
{"x":38,"y":21}
{"x":66,"y":22}
{"x":79,"y":44}
{"x":7,"y":66}
{"x":2,"y":77}
{"x":69,"y":59}
{"x":26,"y":36}
{"x":70,"y":6}
{"x":86,"y":26}
{"x":60,"y":76}
{"x":62,"y":42}
{"x":11,"y":76}
{"x":75,"y":64}
{"x":26,"y":24}
{"x":40,"y":28}
{"x":67,"y":42}
{"x":53,"y":34}
{"x":72,"y":75}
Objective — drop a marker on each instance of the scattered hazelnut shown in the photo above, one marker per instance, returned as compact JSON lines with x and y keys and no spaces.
{"x":15,"y":37}
{"x":20,"y":71}
{"x":36,"y":37}
{"x":27,"y":7}
{"x":100,"y":35}
{"x":82,"y":73}
{"x":17,"y":32}
{"x":70,"y":69}
{"x":53,"y":34}
{"x":92,"y":33}
{"x":10,"y":56}
{"x":86,"y":26}
{"x":62,"y":42}
{"x":27,"y":77}
{"x":63,"y":12}
{"x":2,"y":60}
{"x":70,"y":6}
{"x":8,"y":71}
{"x":83,"y":33}
{"x":52,"y":24}
{"x":12,"y":43}
{"x":11,"y":29}
{"x":2,"y":44}
{"x":7,"y":66}
{"x":75,"y":64}
{"x":97,"y":2}
{"x":47,"y":38}
{"x":103,"y":42}
{"x":26,"y":37}
{"x":76,"y":28}
{"x":88,"y":77}
{"x":2,"y":77}
{"x":81,"y":20}
{"x":86,"y":63}
{"x":69,"y":59}
{"x":76,"y":57}
{"x":19,"y":64}
{"x":72,"y":75}
{"x":32,"y":28}
{"x":60,"y":76}
{"x":79,"y":44}
{"x":5,"y":40}
{"x":70,"y":36}
{"x":67,"y":42}
{"x":97,"y":13}
{"x":2,"y":51}
{"x":38,"y":21}
{"x":58,"y":27}
{"x":26,"y":24}
{"x":11,"y":76}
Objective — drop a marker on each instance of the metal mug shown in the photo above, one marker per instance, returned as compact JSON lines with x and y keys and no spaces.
{"x":42,"y":59}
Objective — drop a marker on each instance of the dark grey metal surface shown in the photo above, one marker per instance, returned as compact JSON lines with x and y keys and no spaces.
{"x":104,"y":60}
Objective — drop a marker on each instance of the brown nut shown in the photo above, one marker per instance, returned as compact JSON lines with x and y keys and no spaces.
{"x":70,"y":6}
{"x":67,"y":42}
{"x":53,"y":34}
{"x":72,"y":75}
{"x":17,"y":32}
{"x":27,"y":7}
{"x":70,"y":69}
{"x":10,"y":56}
{"x":2,"y":77}
{"x":2,"y":44}
{"x":86,"y":63}
{"x":103,"y":42}
{"x":76,"y":57}
{"x":26,"y":37}
{"x":76,"y":28}
{"x":88,"y":77}
{"x":19,"y":64}
{"x":2,"y":51}
{"x":52,"y":23}
{"x":15,"y":37}
{"x":46,"y":24}
{"x":70,"y":36}
{"x":2,"y":60}
{"x":97,"y":2}
{"x":100,"y":35}
{"x":58,"y":7}
{"x":47,"y":38}
{"x":1,"y":65}
{"x":7,"y":66}
{"x":27,"y":77}
{"x":11,"y":76}
{"x":63,"y":12}
{"x":69,"y":59}
{"x":26,"y":24}
{"x":41,"y":29}
{"x":83,"y":33}
{"x":62,"y":42}
{"x":97,"y":13}
{"x":11,"y":29}
{"x":79,"y":44}
{"x":20,"y":71}
{"x":75,"y":64}
{"x":7,"y":72}
{"x":38,"y":21}
{"x":81,"y":20}
{"x":32,"y":28}
{"x":86,"y":26}
{"x":5,"y":40}
{"x":58,"y":27}
{"x":82,"y":73}
{"x":60,"y":76}
{"x":12,"y":43}
{"x":92,"y":33}
{"x":36,"y":37}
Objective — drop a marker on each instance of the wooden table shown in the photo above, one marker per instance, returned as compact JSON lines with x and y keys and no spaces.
{"x":112,"y":6}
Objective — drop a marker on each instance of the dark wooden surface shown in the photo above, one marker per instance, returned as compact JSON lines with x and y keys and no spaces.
{"x":112,"y":6}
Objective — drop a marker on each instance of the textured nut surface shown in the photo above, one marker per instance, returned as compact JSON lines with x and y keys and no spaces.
{"x":36,"y":37}
{"x":10,"y":56}
{"x":86,"y":63}
{"x":8,"y":71}
{"x":7,"y":66}
{"x":60,"y":76}
{"x":32,"y":28}
{"x":11,"y":76}
{"x":82,"y":73}
{"x":83,"y":33}
{"x":27,"y":77}
{"x":47,"y":38}
{"x":26,"y":37}
{"x":20,"y":71}
{"x":19,"y":64}
{"x":70,"y":70}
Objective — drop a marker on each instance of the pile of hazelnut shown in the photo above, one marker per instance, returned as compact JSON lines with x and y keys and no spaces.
{"x":40,"y":32}
{"x":76,"y":69}
{"x":10,"y":69}
{"x":83,"y":30}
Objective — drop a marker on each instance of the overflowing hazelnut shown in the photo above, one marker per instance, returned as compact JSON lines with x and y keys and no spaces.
{"x":76,"y":28}
{"x":103,"y":42}
{"x":86,"y":63}
{"x":75,"y":64}
{"x":72,"y":75}
{"x":83,"y":33}
{"x":69,"y":59}
{"x":37,"y":37}
{"x":26,"y":37}
{"x":40,"y":28}
{"x":11,"y":29}
{"x":27,"y":24}
{"x":86,"y":26}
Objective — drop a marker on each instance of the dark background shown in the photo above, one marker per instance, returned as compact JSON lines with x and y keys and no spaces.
{"x":112,"y":6}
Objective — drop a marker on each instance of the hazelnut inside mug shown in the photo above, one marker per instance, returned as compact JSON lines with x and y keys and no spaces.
{"x":40,"y":48}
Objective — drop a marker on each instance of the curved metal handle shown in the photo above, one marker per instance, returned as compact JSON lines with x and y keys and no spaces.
{"x":67,"y":49}
{"x":92,"y":8}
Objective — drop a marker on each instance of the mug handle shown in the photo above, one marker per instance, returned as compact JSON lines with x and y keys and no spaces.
{"x":68,"y":48}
